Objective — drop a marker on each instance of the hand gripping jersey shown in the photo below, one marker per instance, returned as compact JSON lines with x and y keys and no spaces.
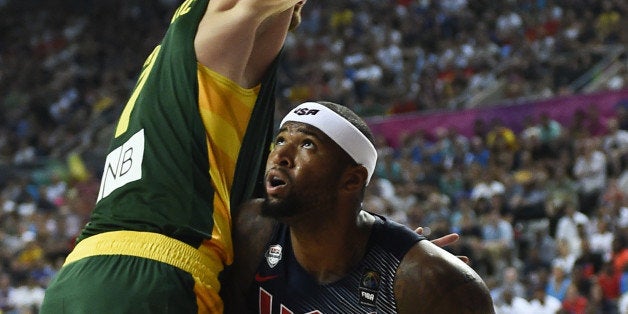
{"x":282,"y":286}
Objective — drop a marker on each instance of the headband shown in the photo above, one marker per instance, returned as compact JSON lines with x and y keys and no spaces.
{"x":341,"y":131}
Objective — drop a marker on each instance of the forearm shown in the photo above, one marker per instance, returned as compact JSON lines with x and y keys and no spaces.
{"x":231,"y":31}
{"x":253,"y":11}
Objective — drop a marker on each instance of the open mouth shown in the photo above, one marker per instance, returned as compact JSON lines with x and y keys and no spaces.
{"x":276,"y":181}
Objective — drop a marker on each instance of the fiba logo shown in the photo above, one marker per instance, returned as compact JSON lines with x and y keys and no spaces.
{"x":370,"y":280}
{"x":369,"y":287}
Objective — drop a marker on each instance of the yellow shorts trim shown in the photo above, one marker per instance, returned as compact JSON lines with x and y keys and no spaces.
{"x":153,"y":246}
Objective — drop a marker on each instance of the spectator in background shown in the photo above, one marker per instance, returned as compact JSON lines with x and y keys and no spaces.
{"x":416,"y":146}
{"x":616,"y":201}
{"x":558,"y":283}
{"x":613,"y":197}
{"x":497,"y":241}
{"x":561,"y":189}
{"x":483,"y":191}
{"x":543,"y":302}
{"x":467,"y":224}
{"x":608,"y":279}
{"x":574,"y":301}
{"x":388,"y":167}
{"x":436,"y":208}
{"x":608,"y":22}
{"x":615,"y":146}
{"x":619,"y":259}
{"x":7,"y":304}
{"x":462,"y":212}
{"x":581,"y":281}
{"x":621,"y":113}
{"x":375,"y":201}
{"x":452,"y":184}
{"x":27,"y":296}
{"x":502,"y":143}
{"x":549,"y":132}
{"x":590,"y":172}
{"x":535,"y":268}
{"x":527,"y":196}
{"x":597,"y":303}
{"x":567,"y":228}
{"x":509,"y":303}
{"x":589,"y":263}
{"x":545,"y":243}
{"x":509,"y":283}
{"x":404,"y":197}
{"x":566,"y":257}
{"x":601,"y":238}
{"x":622,"y":305}
{"x":478,"y":153}
{"x":578,"y":127}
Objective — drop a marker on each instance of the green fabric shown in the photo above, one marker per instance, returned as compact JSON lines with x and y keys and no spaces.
{"x":103,"y":281}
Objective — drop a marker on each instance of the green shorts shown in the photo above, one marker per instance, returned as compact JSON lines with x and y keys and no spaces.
{"x":120,"y":284}
{"x":96,"y":279}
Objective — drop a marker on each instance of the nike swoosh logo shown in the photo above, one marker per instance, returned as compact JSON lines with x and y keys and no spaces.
{"x":260,"y":278}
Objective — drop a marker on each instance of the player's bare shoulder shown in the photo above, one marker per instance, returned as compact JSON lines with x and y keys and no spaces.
{"x":247,"y":218}
{"x":251,"y":231}
{"x":431,"y":280}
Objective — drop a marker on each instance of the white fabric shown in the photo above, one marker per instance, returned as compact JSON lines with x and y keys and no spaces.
{"x":591,"y":171}
{"x":341,"y":131}
{"x":517,"y":306}
{"x":550,"y":305}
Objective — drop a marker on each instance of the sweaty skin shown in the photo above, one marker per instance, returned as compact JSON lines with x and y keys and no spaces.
{"x":261,"y":28}
{"x":459,"y":288}
{"x":428,"y":280}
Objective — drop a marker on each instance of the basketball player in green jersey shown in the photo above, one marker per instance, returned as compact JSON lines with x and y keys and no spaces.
{"x":188,"y":148}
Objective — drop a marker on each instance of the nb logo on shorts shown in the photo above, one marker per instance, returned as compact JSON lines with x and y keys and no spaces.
{"x":306,"y":111}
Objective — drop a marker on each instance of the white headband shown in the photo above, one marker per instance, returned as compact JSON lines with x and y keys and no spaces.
{"x":341,"y":131}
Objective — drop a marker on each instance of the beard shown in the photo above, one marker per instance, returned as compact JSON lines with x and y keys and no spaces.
{"x":284,"y":208}
{"x":295,"y":204}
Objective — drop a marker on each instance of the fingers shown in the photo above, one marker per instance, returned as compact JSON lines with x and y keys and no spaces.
{"x":446,"y":239}
{"x":464,"y":259}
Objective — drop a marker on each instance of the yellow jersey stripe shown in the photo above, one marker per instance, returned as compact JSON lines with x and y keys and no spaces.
{"x":225,"y":126}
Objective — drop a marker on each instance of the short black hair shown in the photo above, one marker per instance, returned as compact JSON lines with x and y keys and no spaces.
{"x":350,"y":116}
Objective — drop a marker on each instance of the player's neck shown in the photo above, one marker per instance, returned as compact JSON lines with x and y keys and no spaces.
{"x":329,"y":253}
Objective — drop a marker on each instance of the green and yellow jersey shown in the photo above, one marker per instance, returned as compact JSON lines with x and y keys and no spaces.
{"x":189,"y":146}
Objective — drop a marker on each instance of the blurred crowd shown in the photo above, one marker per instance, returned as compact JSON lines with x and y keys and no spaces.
{"x":542,"y":211}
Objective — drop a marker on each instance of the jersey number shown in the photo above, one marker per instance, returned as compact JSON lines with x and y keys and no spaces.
{"x":123,"y":124}
{"x":266,"y":304}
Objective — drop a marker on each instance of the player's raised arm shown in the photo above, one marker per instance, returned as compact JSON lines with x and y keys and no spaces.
{"x":240,"y":38}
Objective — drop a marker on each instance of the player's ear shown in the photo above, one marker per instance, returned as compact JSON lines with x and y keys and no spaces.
{"x":354,"y":178}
